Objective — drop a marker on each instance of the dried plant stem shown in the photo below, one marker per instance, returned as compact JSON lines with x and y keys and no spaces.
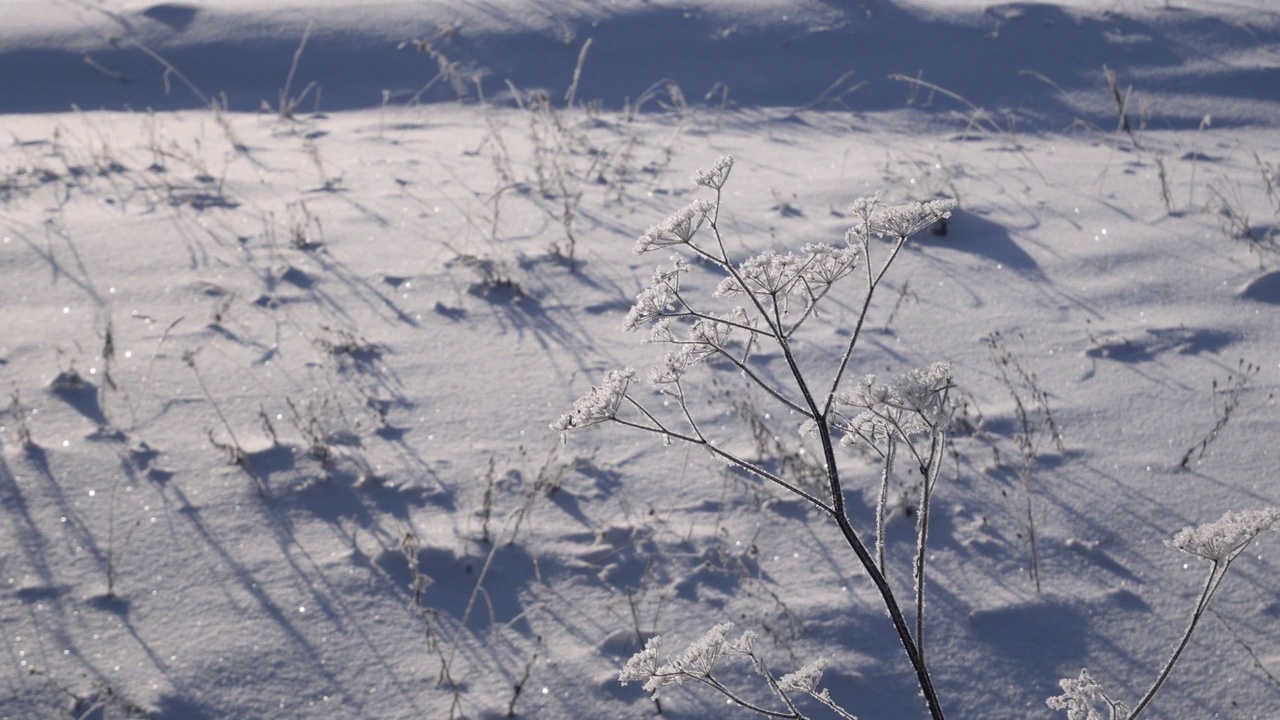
{"x":891,"y":450}
{"x":930,"y":474}
{"x":239,"y":456}
{"x":1211,"y":583}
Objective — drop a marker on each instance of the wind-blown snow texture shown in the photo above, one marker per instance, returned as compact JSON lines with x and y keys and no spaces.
{"x":278,"y":389}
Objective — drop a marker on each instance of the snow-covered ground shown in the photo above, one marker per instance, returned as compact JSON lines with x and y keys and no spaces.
{"x":278,"y":385}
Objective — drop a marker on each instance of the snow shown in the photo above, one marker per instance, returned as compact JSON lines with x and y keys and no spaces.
{"x":278,"y":387}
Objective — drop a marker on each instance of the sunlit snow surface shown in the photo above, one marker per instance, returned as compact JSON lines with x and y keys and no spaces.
{"x":278,"y":390}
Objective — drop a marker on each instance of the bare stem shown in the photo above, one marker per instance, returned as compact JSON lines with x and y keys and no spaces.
{"x":890,"y":452}
{"x":1210,"y":586}
{"x":930,"y":472}
{"x":872,"y":282}
{"x":756,"y":470}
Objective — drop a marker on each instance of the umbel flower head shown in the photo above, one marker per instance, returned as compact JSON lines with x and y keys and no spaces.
{"x":715,"y":176}
{"x":1224,"y":538}
{"x":659,"y":298}
{"x":805,"y":679}
{"x":599,"y":405}
{"x":675,"y":230}
{"x":697,"y":661}
{"x":902,"y":221}
{"x":777,"y":274}
{"x":914,"y":403}
{"x":1081,"y":697}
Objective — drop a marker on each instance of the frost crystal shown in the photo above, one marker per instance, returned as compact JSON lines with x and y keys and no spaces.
{"x":903,"y":221}
{"x":675,"y":230}
{"x":715,"y":176}
{"x":1224,"y":538}
{"x":599,"y":405}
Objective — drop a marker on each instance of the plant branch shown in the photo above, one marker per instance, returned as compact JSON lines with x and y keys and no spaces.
{"x":872,"y":282}
{"x":752,"y":468}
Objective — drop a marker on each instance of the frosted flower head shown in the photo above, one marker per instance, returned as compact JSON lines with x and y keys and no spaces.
{"x":599,"y":405}
{"x":864,"y":206}
{"x":769,"y":272}
{"x":717,"y":330}
{"x":659,"y":299}
{"x":914,"y":403}
{"x":902,"y":221}
{"x":660,"y":332}
{"x":805,"y":679}
{"x":643,"y":664}
{"x":707,"y":337}
{"x":715,"y":176}
{"x":673,"y":367}
{"x":1224,"y":538}
{"x":826,"y":264}
{"x":1080,"y":698}
{"x":678,"y":229}
{"x":700,"y":657}
{"x":697,"y":661}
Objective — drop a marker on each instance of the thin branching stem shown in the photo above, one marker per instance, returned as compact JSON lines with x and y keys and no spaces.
{"x":774,"y":330}
{"x":755,"y":379}
{"x":891,"y":448}
{"x":684,"y":408}
{"x":837,"y":510}
{"x":809,"y":311}
{"x":724,"y":690}
{"x":769,"y":306}
{"x":930,"y":473}
{"x":776,"y":688}
{"x":690,"y":312}
{"x":898,"y":429}
{"x":872,"y":282}
{"x":840,"y":515}
{"x":659,"y":429}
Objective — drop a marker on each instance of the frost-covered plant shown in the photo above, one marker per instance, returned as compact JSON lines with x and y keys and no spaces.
{"x":1219,"y":542}
{"x":698,"y":663}
{"x":778,"y":295}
